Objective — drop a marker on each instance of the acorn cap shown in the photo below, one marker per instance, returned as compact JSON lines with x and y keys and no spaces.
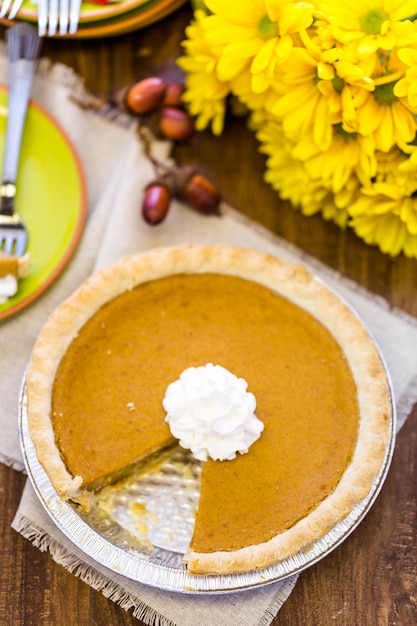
{"x":178,"y":177}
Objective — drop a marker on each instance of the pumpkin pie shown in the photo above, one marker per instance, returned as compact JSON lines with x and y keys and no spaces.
{"x":102,"y":363}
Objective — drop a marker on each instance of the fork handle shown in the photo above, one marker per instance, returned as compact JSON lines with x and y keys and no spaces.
{"x":21,"y":73}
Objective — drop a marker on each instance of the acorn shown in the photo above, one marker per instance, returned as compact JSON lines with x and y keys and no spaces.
{"x":175,"y":124}
{"x":146,"y":95}
{"x":202,"y":195}
{"x":156,"y":202}
{"x":173,"y":95}
{"x":194,"y":189}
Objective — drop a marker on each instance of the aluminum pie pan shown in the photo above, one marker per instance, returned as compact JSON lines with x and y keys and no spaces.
{"x":159,"y":563}
{"x":118,"y":546}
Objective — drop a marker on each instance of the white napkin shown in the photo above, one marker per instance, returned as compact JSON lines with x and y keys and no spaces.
{"x":117,"y":171}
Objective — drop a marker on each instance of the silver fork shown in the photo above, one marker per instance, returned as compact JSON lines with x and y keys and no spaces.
{"x":23,"y":47}
{"x":54,"y":13}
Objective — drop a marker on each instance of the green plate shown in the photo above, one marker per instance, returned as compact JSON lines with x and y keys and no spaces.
{"x":51,"y":199}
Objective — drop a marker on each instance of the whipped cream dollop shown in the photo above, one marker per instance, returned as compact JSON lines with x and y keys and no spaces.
{"x":8,"y":287}
{"x":211,"y":412}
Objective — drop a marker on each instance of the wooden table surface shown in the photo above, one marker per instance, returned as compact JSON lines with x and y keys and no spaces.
{"x":371,"y":579}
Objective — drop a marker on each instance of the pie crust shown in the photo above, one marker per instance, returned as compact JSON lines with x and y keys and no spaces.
{"x":13,"y":265}
{"x":293,"y":282}
{"x":12,"y":269}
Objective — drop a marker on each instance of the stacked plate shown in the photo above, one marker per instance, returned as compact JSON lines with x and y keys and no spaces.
{"x":49,"y":163}
{"x":104,"y":19}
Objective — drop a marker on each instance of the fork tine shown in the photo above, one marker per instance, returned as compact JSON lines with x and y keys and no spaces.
{"x":5,"y":7}
{"x":63,"y":16}
{"x":42,"y":17}
{"x":7,"y":245}
{"x":52,"y":17}
{"x":16,"y":6}
{"x":74,"y":15}
{"x":21,"y":243}
{"x":14,"y":244}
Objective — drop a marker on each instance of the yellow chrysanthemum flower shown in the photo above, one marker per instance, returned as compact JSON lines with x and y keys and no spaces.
{"x":255,"y":35}
{"x":285,"y":174}
{"x":321,"y":88}
{"x":348,"y":154}
{"x":291,"y":178}
{"x":241,"y":87}
{"x":370,"y":24}
{"x":333,"y":103}
{"x":385,"y":231}
{"x":383,"y":114}
{"x":406,"y":87}
{"x":409,"y":165}
{"x":386,"y":117}
{"x":385,"y":212}
{"x":204,"y":93}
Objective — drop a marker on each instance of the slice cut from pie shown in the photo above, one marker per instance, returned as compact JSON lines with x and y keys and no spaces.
{"x":101,"y":365}
{"x":12,"y":269}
